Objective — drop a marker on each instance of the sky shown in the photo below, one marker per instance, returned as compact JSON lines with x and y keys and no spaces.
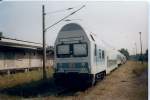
{"x":115,"y":23}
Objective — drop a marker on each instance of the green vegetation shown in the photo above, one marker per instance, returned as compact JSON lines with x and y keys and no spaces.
{"x":29,"y":84}
{"x":128,"y":79}
{"x":8,"y":81}
{"x":125,"y":52}
{"x":140,"y":69}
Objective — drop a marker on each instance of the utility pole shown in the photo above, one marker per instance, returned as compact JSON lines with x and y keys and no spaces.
{"x":141,"y":48}
{"x":1,"y":35}
{"x":44,"y":47}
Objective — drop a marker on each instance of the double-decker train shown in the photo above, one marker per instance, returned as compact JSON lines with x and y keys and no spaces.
{"x":79,"y":56}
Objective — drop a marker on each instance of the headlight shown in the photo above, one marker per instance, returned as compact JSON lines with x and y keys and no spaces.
{"x":83,"y":70}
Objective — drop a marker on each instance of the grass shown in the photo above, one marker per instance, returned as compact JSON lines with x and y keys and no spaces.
{"x":27,"y":84}
{"x":12,"y":80}
{"x":140,"y":68}
{"x":31,"y":85}
{"x":143,"y":85}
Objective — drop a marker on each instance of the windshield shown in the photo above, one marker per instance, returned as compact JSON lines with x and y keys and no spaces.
{"x":72,"y":50}
{"x":79,"y":49}
{"x":63,"y":49}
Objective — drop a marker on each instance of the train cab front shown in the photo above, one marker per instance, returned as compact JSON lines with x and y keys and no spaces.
{"x":72,"y":54}
{"x":66,"y":72}
{"x":72,"y":63}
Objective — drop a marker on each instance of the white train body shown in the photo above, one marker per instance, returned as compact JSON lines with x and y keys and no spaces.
{"x":78,"y":54}
{"x":111,"y":61}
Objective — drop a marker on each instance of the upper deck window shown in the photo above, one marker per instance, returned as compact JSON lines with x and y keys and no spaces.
{"x":100,"y":56}
{"x":103,"y":54}
{"x":95,"y":50}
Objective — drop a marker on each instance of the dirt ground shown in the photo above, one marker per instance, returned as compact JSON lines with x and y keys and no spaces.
{"x":128,"y":82}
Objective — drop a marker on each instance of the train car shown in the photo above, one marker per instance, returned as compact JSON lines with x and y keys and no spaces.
{"x":120,"y":58}
{"x":112,"y":61}
{"x":124,"y":59}
{"x":79,"y":56}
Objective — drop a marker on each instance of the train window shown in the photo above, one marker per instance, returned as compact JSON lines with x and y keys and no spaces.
{"x":100,"y":54}
{"x":80,"y":50}
{"x":103,"y":54}
{"x":95,"y":51}
{"x":63,"y":49}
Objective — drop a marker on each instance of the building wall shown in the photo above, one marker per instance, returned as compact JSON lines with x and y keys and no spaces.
{"x":22,"y":59}
{"x":9,"y":59}
{"x":50,"y":61}
{"x":1,"y":59}
{"x":35,"y":59}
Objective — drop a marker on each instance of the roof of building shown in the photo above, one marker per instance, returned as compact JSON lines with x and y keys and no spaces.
{"x":9,"y":42}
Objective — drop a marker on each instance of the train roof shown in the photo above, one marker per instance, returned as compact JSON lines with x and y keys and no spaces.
{"x":84,"y":28}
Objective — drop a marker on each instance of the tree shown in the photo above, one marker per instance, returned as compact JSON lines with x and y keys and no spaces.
{"x":145,"y":56}
{"x":125,"y":52}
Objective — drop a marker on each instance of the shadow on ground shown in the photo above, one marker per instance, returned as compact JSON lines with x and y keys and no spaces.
{"x":40,"y":88}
